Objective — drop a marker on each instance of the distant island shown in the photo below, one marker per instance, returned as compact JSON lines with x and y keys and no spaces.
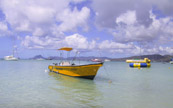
{"x":153,"y":58}
{"x":37,"y":57}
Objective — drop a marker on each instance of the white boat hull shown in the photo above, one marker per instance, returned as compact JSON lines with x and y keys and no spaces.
{"x":10,"y":58}
{"x":106,"y":60}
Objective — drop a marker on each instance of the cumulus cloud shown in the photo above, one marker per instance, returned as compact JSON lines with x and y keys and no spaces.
{"x":35,"y":42}
{"x":38,"y":32}
{"x":145,"y":23}
{"x":114,"y":45}
{"x":71,"y":19}
{"x":128,"y":18}
{"x":131,"y":31}
{"x":108,"y":10}
{"x":78,"y":1}
{"x":39,"y":14}
{"x":3,"y":26}
{"x":4,"y":29}
{"x":43,"y":17}
{"x":76,"y":41}
{"x":43,"y":24}
{"x":131,"y":23}
{"x":135,"y":20}
{"x":166,"y":50}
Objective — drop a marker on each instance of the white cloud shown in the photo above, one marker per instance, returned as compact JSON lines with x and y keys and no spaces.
{"x":78,"y":1}
{"x":24,"y":25}
{"x":127,"y":18}
{"x":70,"y":19}
{"x":134,"y":21}
{"x":167,"y":50}
{"x":28,"y":16}
{"x":38,"y":32}
{"x":47,"y":22}
{"x":4,"y":29}
{"x":34,"y":42}
{"x":42,"y":24}
{"x":39,"y":14}
{"x":3,"y":26}
{"x":115,"y":47}
{"x":160,"y":50}
{"x":108,"y":10}
{"x":132,"y":31}
{"x":79,"y":42}
{"x":24,"y":15}
{"x":75,"y":41}
{"x":106,"y":44}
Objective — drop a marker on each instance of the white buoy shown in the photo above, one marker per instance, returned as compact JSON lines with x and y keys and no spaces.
{"x":46,"y":71}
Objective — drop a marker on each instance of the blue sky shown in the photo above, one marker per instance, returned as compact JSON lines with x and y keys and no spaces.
{"x":112,"y":28}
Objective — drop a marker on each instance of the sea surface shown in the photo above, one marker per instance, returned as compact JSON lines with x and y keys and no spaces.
{"x":29,"y":84}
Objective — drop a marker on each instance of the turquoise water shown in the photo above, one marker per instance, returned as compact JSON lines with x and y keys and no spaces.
{"x":28,"y":84}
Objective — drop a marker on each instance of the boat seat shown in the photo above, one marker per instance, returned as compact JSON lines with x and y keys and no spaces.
{"x":65,"y":64}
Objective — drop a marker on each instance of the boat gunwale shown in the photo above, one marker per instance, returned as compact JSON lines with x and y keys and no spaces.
{"x":80,"y":65}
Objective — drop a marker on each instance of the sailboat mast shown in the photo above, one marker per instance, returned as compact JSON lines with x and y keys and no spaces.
{"x":13,"y":51}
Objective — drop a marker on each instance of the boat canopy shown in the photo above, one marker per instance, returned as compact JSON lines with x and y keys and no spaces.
{"x":66,"y":48}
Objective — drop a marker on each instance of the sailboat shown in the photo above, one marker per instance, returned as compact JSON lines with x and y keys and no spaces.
{"x":11,"y":57}
{"x":87,"y":71}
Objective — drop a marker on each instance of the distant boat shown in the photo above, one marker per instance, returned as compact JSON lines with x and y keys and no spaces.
{"x":40,"y":59}
{"x":87,"y":71}
{"x":96,"y":60}
{"x":106,"y":60}
{"x":171,"y":61}
{"x":10,"y":58}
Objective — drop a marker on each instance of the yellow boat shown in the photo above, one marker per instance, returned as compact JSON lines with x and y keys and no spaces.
{"x":87,"y":71}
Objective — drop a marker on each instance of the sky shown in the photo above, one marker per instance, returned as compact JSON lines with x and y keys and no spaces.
{"x":111,"y":28}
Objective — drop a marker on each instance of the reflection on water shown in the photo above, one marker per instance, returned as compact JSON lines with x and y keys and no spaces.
{"x":77,"y":91}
